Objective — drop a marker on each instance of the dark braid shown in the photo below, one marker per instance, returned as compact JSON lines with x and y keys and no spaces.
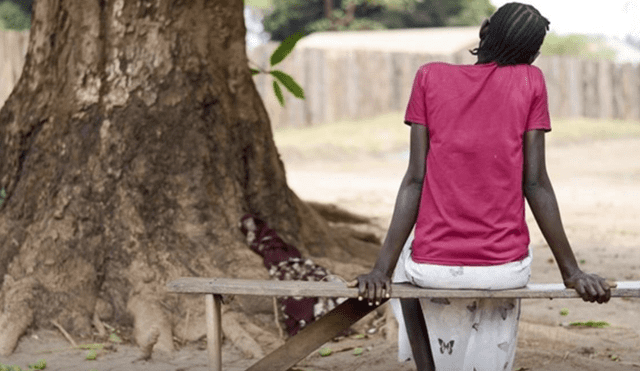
{"x":516,"y":32}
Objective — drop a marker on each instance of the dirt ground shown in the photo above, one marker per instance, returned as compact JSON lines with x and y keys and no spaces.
{"x":597,"y":184}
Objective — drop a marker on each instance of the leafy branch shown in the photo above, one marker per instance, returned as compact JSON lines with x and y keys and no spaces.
{"x":280,"y":77}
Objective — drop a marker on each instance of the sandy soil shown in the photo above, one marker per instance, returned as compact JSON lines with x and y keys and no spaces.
{"x":598,"y":189}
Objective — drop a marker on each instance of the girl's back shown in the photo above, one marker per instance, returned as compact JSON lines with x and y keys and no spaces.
{"x":472,"y":208}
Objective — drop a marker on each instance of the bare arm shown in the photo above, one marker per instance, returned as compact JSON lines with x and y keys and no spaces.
{"x":376,"y":285}
{"x":542,"y":201}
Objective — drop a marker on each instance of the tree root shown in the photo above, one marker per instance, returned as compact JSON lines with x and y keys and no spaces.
{"x":363,"y":236}
{"x":65,"y":334}
{"x":390,"y":327}
{"x":150,"y":342}
{"x":148,"y":318}
{"x":98,"y":325}
{"x":336,"y":214}
{"x":268,"y":340}
{"x":17,"y":314}
{"x":240,"y":338}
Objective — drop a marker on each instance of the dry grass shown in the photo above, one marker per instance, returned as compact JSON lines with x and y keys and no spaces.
{"x":593,"y":129}
{"x":382,"y":134}
{"x":387,"y":134}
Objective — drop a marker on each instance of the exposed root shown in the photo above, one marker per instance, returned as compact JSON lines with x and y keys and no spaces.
{"x":190,"y":325}
{"x":365,"y":323}
{"x":240,"y":338}
{"x":390,"y":327}
{"x":65,"y":334}
{"x":335,"y":214}
{"x":17,"y":313}
{"x":191,"y":329}
{"x":267,"y":339}
{"x":363,"y":236}
{"x":99,"y":326}
{"x":149,"y":317}
{"x":150,"y":342}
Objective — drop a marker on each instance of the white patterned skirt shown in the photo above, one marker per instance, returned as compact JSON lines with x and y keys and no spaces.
{"x":465,"y":334}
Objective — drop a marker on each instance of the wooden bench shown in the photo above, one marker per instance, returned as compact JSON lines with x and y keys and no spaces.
{"x":342,"y":317}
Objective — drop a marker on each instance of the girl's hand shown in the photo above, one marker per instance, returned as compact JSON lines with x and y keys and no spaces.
{"x":590,"y":287}
{"x":374,"y":287}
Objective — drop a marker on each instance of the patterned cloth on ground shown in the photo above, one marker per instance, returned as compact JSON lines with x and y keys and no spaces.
{"x":285,"y":262}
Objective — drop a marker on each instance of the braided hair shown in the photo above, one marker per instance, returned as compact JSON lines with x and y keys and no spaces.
{"x":514,"y":35}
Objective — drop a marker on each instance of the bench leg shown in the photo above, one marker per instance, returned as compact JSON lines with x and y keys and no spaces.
{"x":214,"y":331}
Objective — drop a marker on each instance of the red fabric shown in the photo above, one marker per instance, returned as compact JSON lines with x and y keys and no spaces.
{"x":472,"y":205}
{"x":285,"y":262}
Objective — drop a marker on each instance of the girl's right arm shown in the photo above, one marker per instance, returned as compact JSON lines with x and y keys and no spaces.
{"x":542,"y":201}
{"x":376,"y":285}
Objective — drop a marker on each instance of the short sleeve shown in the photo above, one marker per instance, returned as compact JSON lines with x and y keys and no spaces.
{"x":539,"y":118}
{"x":417,"y":108}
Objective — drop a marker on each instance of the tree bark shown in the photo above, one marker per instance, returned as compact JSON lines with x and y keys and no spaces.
{"x":131,"y":146}
{"x":328,"y":9}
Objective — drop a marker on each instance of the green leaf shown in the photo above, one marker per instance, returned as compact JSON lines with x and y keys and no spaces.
{"x":278,"y":91}
{"x":254,"y":71}
{"x":564,"y":312}
{"x":358,"y":351}
{"x":91,"y":346}
{"x":325,"y":352}
{"x":114,"y":338}
{"x":289,"y":83}
{"x":91,"y":355}
{"x":595,"y":324}
{"x":285,"y":48}
{"x":40,"y":365}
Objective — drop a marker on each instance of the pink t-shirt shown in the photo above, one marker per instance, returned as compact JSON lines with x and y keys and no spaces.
{"x":472,"y":205}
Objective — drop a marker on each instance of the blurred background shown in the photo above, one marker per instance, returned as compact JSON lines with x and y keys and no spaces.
{"x":358,"y":58}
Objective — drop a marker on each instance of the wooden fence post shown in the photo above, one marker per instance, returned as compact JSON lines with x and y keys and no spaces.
{"x":590,"y":88}
{"x":352,"y":85}
{"x":605,"y":88}
{"x":554,"y":80}
{"x":573,"y":70}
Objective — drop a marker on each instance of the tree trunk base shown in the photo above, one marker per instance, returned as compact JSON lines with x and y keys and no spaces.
{"x":17,"y":315}
{"x":129,"y":161}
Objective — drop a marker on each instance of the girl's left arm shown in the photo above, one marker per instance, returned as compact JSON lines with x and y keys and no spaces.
{"x":542,"y":201}
{"x":376,"y":285}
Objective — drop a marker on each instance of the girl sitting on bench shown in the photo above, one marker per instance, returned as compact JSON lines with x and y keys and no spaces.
{"x":477,"y":150}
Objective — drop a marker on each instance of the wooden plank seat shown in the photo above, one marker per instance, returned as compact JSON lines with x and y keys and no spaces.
{"x":342,"y":317}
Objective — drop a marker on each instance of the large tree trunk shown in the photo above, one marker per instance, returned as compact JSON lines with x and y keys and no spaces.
{"x":131,"y":146}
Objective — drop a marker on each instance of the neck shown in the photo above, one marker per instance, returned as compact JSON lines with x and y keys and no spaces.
{"x":483,"y":61}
